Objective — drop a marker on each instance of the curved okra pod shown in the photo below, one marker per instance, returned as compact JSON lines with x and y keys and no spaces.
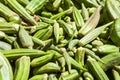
{"x":6,"y":69}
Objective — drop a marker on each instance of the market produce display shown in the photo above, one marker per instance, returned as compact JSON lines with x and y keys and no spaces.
{"x":59,"y":39}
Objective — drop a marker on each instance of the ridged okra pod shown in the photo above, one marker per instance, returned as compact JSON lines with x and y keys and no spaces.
{"x":6,"y":72}
{"x":22,"y":68}
{"x":96,"y":69}
{"x":35,"y":5}
{"x":21,"y":11}
{"x":8,"y":14}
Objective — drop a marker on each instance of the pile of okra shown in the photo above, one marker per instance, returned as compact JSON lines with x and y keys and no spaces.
{"x":59,"y":39}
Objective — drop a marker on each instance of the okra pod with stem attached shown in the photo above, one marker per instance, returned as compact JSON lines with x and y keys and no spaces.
{"x":93,"y":34}
{"x":91,"y":23}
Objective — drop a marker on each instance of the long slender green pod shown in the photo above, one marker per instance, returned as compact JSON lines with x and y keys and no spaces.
{"x":22,"y":68}
{"x":6,"y":72}
{"x":91,"y":23}
{"x":21,"y":11}
{"x":116,"y":75}
{"x":16,"y":53}
{"x":23,"y":2}
{"x":93,"y":34}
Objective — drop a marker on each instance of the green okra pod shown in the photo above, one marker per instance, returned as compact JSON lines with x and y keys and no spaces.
{"x":23,"y":2}
{"x":2,"y":20}
{"x":16,"y":53}
{"x":39,"y":77}
{"x":56,"y":31}
{"x":5,"y":46}
{"x":72,"y":43}
{"x":47,"y":68}
{"x":91,"y":23}
{"x":107,"y":48}
{"x":8,"y":14}
{"x":93,"y":34}
{"x":22,"y":68}
{"x":78,"y":18}
{"x":67,"y":58}
{"x":110,"y":60}
{"x":88,"y":76}
{"x":96,"y":69}
{"x":80,"y":55}
{"x":21,"y":11}
{"x":41,"y":60}
{"x":25,"y":38}
{"x":116,"y":75}
{"x":6,"y":72}
{"x":35,"y":5}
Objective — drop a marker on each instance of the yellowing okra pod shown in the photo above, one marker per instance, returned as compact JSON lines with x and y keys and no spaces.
{"x":35,"y":5}
{"x":21,"y":11}
{"x":93,"y":34}
{"x":47,"y":68}
{"x":96,"y":69}
{"x":22,"y":68}
{"x":91,"y":23}
{"x":41,"y":60}
{"x":25,"y":38}
{"x":6,"y":72}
